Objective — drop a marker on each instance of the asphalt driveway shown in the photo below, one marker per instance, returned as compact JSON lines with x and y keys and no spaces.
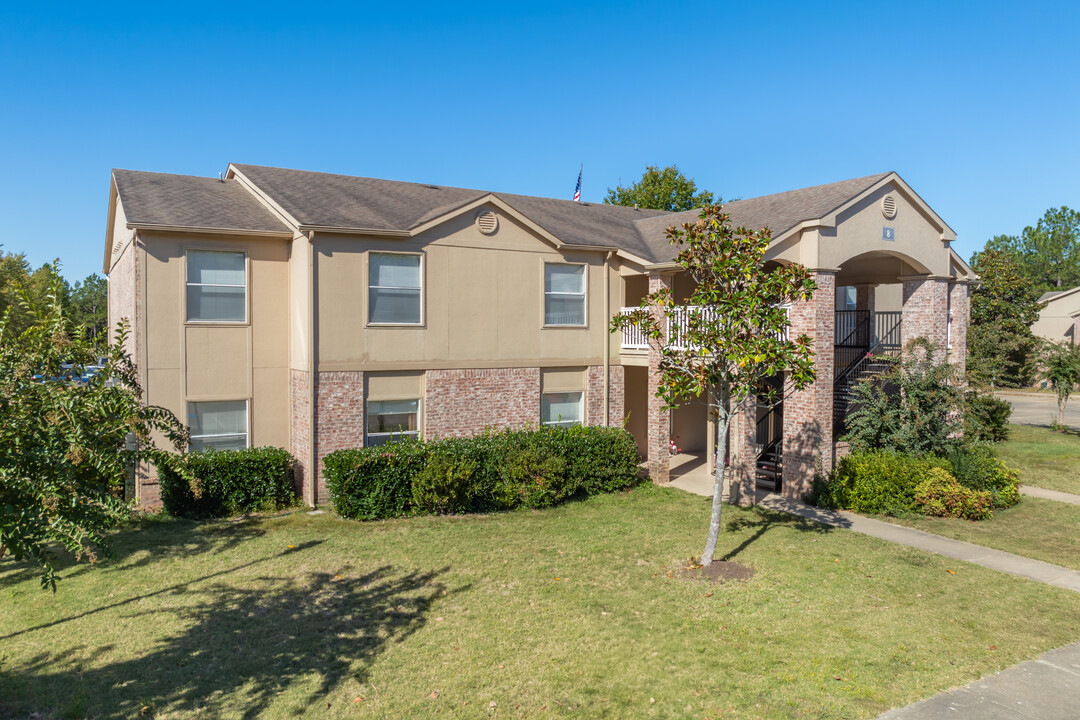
{"x":1040,"y":408}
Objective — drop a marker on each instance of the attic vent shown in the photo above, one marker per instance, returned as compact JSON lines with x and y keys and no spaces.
{"x":888,"y":206}
{"x":117,"y":245}
{"x":487,"y":222}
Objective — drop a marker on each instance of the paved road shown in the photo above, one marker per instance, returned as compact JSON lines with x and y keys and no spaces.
{"x":1040,"y":408}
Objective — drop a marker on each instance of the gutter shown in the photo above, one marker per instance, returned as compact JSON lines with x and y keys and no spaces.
{"x":214,"y":231}
{"x":313,"y":453}
{"x":607,"y":339}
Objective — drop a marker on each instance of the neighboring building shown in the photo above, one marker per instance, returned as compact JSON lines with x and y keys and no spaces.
{"x":1060,"y":319}
{"x":316,"y":312}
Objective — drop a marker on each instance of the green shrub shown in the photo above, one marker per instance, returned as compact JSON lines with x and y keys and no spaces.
{"x":376,"y":482}
{"x":986,"y":418}
{"x":229,"y":482}
{"x":532,"y":477}
{"x":496,"y":470}
{"x":877,"y":482}
{"x":446,"y":484}
{"x":977,"y":468}
{"x":941,"y":495}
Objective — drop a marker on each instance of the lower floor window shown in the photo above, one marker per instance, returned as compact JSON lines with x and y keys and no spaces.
{"x":561,"y":409}
{"x":392,"y":420}
{"x":218,"y":425}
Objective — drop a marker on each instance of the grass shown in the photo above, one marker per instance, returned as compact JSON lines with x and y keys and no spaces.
{"x":1044,"y":458}
{"x":1044,"y":530}
{"x":577,"y":610}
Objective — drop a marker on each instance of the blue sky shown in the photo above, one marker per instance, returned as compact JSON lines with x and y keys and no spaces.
{"x":976,"y":105}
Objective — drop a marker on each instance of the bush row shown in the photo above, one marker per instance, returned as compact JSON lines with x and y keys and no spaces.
{"x":968,"y":482}
{"x":494,"y":471}
{"x":231,"y":482}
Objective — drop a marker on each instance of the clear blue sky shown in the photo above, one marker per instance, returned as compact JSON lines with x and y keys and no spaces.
{"x":976,"y":105}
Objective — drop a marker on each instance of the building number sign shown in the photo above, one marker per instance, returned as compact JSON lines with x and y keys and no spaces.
{"x":888,"y":233}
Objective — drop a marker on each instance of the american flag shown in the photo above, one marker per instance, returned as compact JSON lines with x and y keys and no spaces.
{"x":577,"y":190}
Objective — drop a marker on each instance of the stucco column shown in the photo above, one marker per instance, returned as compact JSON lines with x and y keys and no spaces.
{"x":864,"y":297}
{"x":959,"y":316}
{"x":926,"y":310}
{"x":742,"y":470}
{"x":658,"y":419}
{"x":808,"y":425}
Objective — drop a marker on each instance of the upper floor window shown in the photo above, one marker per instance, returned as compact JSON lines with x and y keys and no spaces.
{"x":216,"y":286}
{"x":394,"y":289}
{"x":219,"y":425}
{"x":564,"y":294}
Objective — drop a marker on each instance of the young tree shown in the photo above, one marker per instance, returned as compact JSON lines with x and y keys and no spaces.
{"x":1061,"y":367}
{"x":63,"y":455}
{"x":732,"y":335}
{"x":666,"y":189}
{"x":1003,"y":307}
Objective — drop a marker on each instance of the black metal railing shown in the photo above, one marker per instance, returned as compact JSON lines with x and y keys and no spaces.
{"x":770,"y":426}
{"x":856,"y":363}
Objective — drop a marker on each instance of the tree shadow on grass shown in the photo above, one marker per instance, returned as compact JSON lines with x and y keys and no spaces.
{"x":765,"y":520}
{"x":146,"y":541}
{"x":243,"y":646}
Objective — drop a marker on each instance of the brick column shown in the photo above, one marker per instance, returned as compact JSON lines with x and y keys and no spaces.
{"x":808,"y":426}
{"x":742,"y":472}
{"x":864,"y":297}
{"x":658,"y":420}
{"x":959,"y":316}
{"x":339,"y":421}
{"x":926,"y":310}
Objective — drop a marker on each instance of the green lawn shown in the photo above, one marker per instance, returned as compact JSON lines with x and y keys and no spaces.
{"x":572,"y":611}
{"x":1044,"y":458}
{"x":1044,"y":530}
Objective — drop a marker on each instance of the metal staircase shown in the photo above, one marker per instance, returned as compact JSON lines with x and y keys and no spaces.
{"x":867,"y":343}
{"x":769,"y":439}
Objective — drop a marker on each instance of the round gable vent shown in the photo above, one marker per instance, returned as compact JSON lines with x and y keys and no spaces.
{"x":888,"y":206}
{"x":487,"y":221}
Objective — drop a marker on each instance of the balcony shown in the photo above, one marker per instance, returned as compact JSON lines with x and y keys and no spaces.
{"x":633,"y":339}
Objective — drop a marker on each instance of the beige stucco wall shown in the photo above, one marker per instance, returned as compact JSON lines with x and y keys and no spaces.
{"x":220,"y":361}
{"x":121,"y":277}
{"x":483,"y":302}
{"x":1056,"y":321}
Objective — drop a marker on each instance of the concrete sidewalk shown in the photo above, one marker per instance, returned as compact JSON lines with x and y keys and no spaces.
{"x":1050,"y":495}
{"x":1047,"y":688}
{"x":987,"y":557}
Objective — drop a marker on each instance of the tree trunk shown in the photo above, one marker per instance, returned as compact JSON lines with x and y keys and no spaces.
{"x":722,"y":425}
{"x":1061,"y":409}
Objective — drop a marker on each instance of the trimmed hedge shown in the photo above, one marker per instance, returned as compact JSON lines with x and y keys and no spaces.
{"x":228,"y":482}
{"x":878,"y":482}
{"x":493,"y":471}
{"x":940,"y":494}
{"x":977,"y":468}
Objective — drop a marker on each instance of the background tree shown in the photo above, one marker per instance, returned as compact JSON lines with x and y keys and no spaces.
{"x":1061,"y":367}
{"x":666,"y":189}
{"x":733,"y":337}
{"x":63,"y":459}
{"x":90,"y":305}
{"x":1003,"y":307}
{"x":1047,"y":254}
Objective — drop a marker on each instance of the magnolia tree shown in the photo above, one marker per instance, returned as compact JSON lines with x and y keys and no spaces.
{"x":732,"y":334}
{"x":65,"y":436}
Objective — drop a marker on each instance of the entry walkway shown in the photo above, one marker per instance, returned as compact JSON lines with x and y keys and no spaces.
{"x":1050,"y":495}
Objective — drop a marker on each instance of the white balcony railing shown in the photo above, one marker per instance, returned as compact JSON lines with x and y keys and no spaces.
{"x":634,"y":339}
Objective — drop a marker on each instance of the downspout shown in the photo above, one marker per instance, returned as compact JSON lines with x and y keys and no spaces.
{"x":607,"y":339}
{"x":313,"y":454}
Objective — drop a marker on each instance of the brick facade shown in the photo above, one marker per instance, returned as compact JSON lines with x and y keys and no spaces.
{"x":594,"y":395}
{"x":959,"y":314}
{"x":299,"y":430}
{"x":926,"y":303}
{"x":339,"y":420}
{"x":865,"y":297}
{"x":808,"y":413}
{"x":465,"y":402}
{"x":658,"y":420}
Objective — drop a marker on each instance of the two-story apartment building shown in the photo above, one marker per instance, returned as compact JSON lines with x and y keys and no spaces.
{"x":316,"y":312}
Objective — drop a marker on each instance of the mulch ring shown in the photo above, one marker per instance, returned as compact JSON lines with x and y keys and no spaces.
{"x":719,"y":571}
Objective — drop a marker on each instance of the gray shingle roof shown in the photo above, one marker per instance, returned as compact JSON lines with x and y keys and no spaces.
{"x":779,"y":212}
{"x":357,"y":203}
{"x":191,"y":202}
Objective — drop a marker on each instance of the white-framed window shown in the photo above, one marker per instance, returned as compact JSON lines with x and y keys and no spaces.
{"x":391,"y":421}
{"x":220,"y":424}
{"x":562,"y":409}
{"x":395,"y":289}
{"x":216,"y":286}
{"x":564,"y":294}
